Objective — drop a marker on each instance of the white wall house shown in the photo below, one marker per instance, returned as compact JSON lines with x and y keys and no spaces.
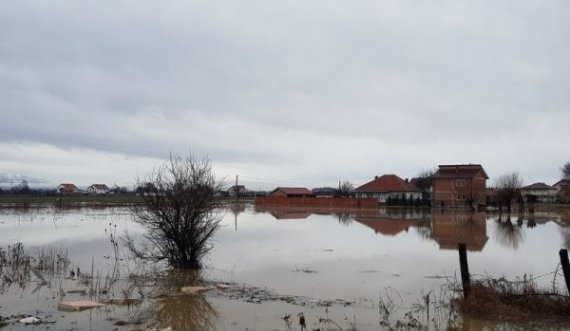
{"x":98,"y":189}
{"x":542,"y":192}
{"x":388,"y":186}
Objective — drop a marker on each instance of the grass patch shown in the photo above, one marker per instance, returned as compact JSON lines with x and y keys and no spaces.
{"x":520,"y":300}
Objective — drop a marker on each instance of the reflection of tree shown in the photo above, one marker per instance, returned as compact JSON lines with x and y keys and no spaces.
{"x":507,"y":234}
{"x":424,"y":230}
{"x":531,"y":223}
{"x":344,"y":218}
{"x":183,"y":311}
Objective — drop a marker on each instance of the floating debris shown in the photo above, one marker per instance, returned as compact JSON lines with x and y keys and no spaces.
{"x":78,"y":305}
{"x":122,"y":301}
{"x":194,"y":289}
{"x":30,"y":320}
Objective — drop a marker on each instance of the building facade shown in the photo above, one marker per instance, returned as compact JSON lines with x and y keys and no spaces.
{"x":460,"y":186}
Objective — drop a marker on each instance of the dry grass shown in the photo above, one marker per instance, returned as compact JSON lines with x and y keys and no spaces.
{"x":521,"y":300}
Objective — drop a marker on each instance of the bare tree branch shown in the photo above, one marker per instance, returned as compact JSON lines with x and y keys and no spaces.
{"x":178,"y":212}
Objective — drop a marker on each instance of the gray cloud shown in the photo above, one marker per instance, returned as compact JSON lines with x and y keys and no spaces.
{"x":283,"y":91}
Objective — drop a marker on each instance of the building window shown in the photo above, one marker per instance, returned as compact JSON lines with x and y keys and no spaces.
{"x":460,"y":182}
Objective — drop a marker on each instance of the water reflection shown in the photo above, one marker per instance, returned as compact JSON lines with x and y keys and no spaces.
{"x":508,"y":234}
{"x":447,"y":229}
{"x":450,"y":229}
{"x":181,"y":311}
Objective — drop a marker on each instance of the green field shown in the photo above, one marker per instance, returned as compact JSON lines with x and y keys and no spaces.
{"x":25,"y":201}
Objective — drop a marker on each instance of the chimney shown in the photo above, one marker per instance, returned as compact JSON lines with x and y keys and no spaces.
{"x":407,"y":180}
{"x":375,"y":177}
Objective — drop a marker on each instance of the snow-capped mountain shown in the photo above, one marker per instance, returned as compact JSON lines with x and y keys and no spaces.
{"x":16,"y":179}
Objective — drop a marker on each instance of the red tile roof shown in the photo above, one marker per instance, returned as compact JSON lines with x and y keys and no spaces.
{"x":100,"y":186}
{"x":387,"y":183}
{"x":452,"y":171}
{"x":293,"y":190}
{"x":68,"y":187}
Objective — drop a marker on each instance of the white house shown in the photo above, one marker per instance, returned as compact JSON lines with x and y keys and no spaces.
{"x":388,"y":186}
{"x":542,"y":192}
{"x":98,"y":189}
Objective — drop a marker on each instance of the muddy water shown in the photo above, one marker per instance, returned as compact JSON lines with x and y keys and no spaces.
{"x":340,"y":266}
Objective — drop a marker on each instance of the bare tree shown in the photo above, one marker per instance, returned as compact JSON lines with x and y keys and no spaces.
{"x":508,"y":187}
{"x":424,"y":179}
{"x":178,"y":212}
{"x":345,"y":188}
{"x":565,"y":169}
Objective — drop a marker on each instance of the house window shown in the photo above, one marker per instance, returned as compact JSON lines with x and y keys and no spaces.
{"x":460,"y":182}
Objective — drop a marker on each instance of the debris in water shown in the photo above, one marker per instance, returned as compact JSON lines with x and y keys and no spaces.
{"x":78,"y":305}
{"x":194,"y":289}
{"x":30,"y":320}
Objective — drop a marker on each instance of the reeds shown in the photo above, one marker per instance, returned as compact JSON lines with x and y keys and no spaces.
{"x":509,"y":300}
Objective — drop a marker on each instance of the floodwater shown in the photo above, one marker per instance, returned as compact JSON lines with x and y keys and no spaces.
{"x":338,"y":268}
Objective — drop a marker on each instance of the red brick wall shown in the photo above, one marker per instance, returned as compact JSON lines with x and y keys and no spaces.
{"x":318,"y":202}
{"x":446,"y":190}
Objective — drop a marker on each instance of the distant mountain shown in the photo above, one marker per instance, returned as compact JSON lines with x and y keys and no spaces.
{"x":15,"y":179}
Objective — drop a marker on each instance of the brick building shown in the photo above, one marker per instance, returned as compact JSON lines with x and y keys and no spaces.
{"x":460,"y":185}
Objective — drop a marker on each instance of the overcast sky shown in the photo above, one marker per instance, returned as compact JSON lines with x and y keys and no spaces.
{"x":283,"y":93}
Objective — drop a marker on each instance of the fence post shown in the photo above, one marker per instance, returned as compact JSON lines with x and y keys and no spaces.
{"x":462,"y":248}
{"x":565,"y":267}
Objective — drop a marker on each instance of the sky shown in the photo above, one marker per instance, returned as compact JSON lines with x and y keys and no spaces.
{"x":283,"y":93}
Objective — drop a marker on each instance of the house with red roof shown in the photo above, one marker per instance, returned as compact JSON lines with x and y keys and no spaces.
{"x":292,"y":192}
{"x":67,"y":189}
{"x":388,"y":186}
{"x":460,"y":185}
{"x":98,"y":189}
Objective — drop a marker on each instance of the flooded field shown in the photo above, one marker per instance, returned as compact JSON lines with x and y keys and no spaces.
{"x":344,"y":270}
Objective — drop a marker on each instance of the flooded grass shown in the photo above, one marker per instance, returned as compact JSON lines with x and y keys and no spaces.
{"x":520,"y":300}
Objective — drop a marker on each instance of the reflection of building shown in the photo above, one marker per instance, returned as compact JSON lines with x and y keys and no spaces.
{"x":388,"y":187}
{"x":284,"y":213}
{"x":451,"y":229}
{"x":388,"y":227}
{"x":289,"y":214}
{"x":542,"y":192}
{"x":459,"y":185}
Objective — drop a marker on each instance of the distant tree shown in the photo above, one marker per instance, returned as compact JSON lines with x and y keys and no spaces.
{"x":178,"y":212}
{"x":22,"y":188}
{"x":424,"y":179}
{"x":116,"y":189}
{"x":565,"y":169}
{"x":345,"y":188}
{"x":508,"y":187}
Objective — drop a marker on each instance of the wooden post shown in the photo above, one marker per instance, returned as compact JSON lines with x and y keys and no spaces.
{"x":565,"y":267}
{"x":464,"y":270}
